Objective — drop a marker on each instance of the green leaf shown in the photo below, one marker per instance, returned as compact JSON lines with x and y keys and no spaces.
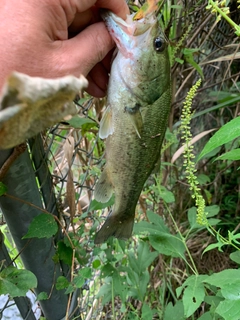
{"x":156,"y":225}
{"x":64,"y":252}
{"x":3,"y":189}
{"x":78,"y":281}
{"x":174,"y":312}
{"x":42,"y":226}
{"x":228,"y":132}
{"x":193,"y":294}
{"x":96,"y":263}
{"x":206,"y":316}
{"x":235,"y":256}
{"x":229,"y":309}
{"x":42,"y":296}
{"x":170,"y":245}
{"x":77,"y":122}
{"x":147,"y":312}
{"x":95,"y":205}
{"x":144,"y":258}
{"x":229,"y":282}
{"x":61,"y":283}
{"x":166,"y":195}
{"x":231,"y":155}
{"x":85,"y":272}
{"x":16,"y":282}
{"x":107,"y":270}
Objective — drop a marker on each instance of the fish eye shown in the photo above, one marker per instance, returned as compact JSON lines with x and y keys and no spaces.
{"x":159,"y":44}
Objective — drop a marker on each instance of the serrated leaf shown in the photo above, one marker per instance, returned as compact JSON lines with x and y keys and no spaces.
{"x":3,"y":188}
{"x":230,"y":155}
{"x":16,"y":282}
{"x":227,"y":133}
{"x":42,"y":226}
{"x":229,"y":309}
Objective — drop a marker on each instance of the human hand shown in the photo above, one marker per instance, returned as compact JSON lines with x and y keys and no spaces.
{"x":53,"y":38}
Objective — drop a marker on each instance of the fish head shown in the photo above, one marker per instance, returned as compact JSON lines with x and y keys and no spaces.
{"x":142,"y":59}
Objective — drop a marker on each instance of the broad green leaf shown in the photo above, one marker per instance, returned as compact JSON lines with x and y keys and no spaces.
{"x":166,"y":195}
{"x":229,"y":282}
{"x":235,"y":256}
{"x":212,"y":210}
{"x":95,"y":205}
{"x":85,"y":272}
{"x":229,"y":309}
{"x":42,"y":296}
{"x":174,"y":312}
{"x":191,"y":281}
{"x":42,"y":226}
{"x":107,"y":270}
{"x":170,"y":245}
{"x":61,"y":283}
{"x":206,"y":316}
{"x":105,"y":292}
{"x":144,"y":258}
{"x":155,"y":226}
{"x":78,"y":281}
{"x":16,"y":282}
{"x":96,"y":263}
{"x":228,"y":132}
{"x":3,"y":188}
{"x":119,"y":285}
{"x":231,"y":155}
{"x":64,"y":252}
{"x":193,"y":294}
{"x":147,"y":312}
{"x":77,"y":122}
{"x":203,"y":179}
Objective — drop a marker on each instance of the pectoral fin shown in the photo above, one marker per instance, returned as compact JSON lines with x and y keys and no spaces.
{"x":136,"y":118}
{"x":106,"y":124}
{"x":103,"y":189}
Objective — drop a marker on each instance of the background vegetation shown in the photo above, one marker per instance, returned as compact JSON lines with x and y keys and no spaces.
{"x":183,"y":259}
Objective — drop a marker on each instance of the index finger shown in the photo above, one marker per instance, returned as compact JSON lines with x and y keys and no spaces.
{"x":119,"y":7}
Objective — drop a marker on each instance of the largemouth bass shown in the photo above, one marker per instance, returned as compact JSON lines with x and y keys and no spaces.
{"x":136,"y":117}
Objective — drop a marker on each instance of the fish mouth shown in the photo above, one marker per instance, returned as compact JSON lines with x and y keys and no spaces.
{"x":128,"y":34}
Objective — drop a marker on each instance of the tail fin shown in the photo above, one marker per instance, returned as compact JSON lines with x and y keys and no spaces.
{"x":115,"y":226}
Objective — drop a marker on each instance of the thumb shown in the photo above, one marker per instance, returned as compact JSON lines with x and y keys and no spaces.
{"x":80,"y":54}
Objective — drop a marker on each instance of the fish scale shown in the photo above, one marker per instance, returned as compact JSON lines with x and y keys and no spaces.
{"x":134,"y":124}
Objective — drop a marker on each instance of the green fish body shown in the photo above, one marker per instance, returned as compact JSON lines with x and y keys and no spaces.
{"x":135,"y":121}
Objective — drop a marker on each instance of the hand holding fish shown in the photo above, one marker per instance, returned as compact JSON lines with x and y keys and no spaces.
{"x":53,"y":38}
